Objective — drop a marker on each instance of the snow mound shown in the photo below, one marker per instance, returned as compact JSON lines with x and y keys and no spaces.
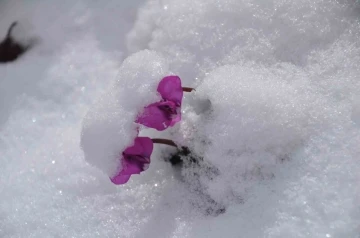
{"x":253,"y":120}
{"x":274,"y":122}
{"x":199,"y":35}
{"x":108,"y":127}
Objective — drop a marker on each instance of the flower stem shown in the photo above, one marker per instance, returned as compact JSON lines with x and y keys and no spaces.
{"x":164,"y":141}
{"x":187,"y":89}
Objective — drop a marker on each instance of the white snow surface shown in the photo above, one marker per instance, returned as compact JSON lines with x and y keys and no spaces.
{"x":275,"y":118}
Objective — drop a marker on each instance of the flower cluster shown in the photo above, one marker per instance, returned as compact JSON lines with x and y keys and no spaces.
{"x":167,"y":112}
{"x":158,"y":115}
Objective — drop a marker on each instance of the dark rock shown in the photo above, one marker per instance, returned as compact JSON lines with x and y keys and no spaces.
{"x":10,"y":49}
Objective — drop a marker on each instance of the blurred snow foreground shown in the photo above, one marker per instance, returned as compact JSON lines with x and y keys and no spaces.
{"x":273,"y":127}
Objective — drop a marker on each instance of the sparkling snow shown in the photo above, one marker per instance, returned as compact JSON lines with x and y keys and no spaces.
{"x":275,"y":117}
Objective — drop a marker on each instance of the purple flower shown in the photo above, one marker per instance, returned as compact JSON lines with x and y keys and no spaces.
{"x":134,"y":160}
{"x":167,"y":112}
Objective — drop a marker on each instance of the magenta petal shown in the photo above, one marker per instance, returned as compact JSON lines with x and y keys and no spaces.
{"x":147,"y":145}
{"x":176,"y":118}
{"x":154,"y":117}
{"x":142,"y":146}
{"x":132,"y":167}
{"x":120,"y":179}
{"x":170,"y":89}
{"x":134,"y":160}
{"x":129,"y":167}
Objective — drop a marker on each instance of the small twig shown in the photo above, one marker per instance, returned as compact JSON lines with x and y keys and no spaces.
{"x":164,"y":141}
{"x":187,"y":89}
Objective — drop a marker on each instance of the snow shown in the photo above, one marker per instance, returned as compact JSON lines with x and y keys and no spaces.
{"x":275,"y":118}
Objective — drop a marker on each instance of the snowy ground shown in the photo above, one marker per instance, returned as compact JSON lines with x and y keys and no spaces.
{"x":282,"y":128}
